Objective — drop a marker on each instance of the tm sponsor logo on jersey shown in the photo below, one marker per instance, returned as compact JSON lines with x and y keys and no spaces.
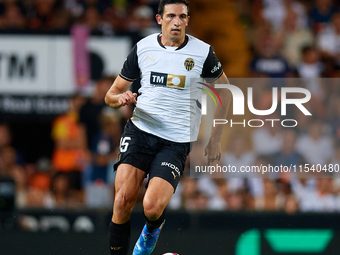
{"x":172,"y":166}
{"x":167,"y":80}
{"x":216,"y":68}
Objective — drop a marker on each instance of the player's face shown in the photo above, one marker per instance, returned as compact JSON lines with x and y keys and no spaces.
{"x":174,"y":21}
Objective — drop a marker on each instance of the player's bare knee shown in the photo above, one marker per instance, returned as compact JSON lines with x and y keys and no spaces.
{"x":124,"y":201}
{"x":153,"y":209}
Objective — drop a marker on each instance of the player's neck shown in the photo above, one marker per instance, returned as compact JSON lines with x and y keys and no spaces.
{"x":168,"y":42}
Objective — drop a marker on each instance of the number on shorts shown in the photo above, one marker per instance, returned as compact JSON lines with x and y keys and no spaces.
{"x":124,"y":144}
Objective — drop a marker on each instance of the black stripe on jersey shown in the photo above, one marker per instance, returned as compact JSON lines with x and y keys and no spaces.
{"x":130,"y":70}
{"x":212,"y":68}
{"x":184,"y":43}
{"x":186,"y":40}
{"x":159,"y":41}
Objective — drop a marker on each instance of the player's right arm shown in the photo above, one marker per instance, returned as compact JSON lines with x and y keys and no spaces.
{"x":118,"y":95}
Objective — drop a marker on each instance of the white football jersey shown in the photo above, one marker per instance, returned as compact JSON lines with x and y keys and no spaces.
{"x":167,"y":107}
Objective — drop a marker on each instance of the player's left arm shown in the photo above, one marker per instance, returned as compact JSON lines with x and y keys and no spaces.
{"x":213,"y":74}
{"x":213,"y":148}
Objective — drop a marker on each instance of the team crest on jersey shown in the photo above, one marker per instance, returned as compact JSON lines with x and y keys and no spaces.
{"x":189,"y":64}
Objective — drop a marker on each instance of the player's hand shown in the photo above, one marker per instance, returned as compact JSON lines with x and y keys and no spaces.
{"x":213,"y":151}
{"x":127,"y":98}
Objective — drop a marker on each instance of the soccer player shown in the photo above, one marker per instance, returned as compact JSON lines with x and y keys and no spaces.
{"x":156,"y":140}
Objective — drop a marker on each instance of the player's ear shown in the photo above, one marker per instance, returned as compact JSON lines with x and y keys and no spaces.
{"x":188,"y":20}
{"x":159,"y":19}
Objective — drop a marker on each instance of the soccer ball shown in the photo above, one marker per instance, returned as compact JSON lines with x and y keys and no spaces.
{"x":170,"y":253}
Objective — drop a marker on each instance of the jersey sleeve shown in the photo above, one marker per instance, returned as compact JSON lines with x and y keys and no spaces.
{"x":212,"y":68}
{"x":130,"y":70}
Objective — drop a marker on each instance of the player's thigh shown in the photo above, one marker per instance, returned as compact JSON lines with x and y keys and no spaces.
{"x":169,"y":163}
{"x":128,"y":181}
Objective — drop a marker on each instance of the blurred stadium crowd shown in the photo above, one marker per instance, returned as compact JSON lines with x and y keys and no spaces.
{"x":288,"y":38}
{"x":102,"y":17}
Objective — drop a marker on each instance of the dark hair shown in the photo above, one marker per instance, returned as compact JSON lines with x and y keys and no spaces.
{"x":162,"y":3}
{"x":307,"y":48}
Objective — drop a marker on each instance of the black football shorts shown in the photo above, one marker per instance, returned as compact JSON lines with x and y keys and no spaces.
{"x":155,"y":156}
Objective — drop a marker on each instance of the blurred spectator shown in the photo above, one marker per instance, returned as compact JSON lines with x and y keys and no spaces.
{"x":105,"y":147}
{"x":43,"y":10}
{"x":310,"y":66}
{"x":74,"y":7}
{"x":100,"y":5}
{"x":38,"y":199}
{"x":70,"y":142}
{"x":300,"y":10}
{"x":5,"y":136}
{"x":90,"y":111}
{"x":189,"y":192}
{"x":19,"y":176}
{"x":98,"y":194}
{"x":143,"y":21}
{"x":329,"y":40}
{"x":40,"y":181}
{"x":267,"y":139}
{"x":217,"y":191}
{"x":293,"y":38}
{"x":274,"y":12}
{"x":302,"y":119}
{"x":291,"y":205}
{"x":5,"y":3}
{"x":38,"y":194}
{"x":12,"y":18}
{"x":235,"y":200}
{"x":153,"y":4}
{"x":98,"y":176}
{"x":62,"y":195}
{"x":315,"y":147}
{"x":317,"y":200}
{"x":271,"y":199}
{"x":310,"y":69}
{"x":288,"y":155}
{"x":36,"y":188}
{"x":254,"y":186}
{"x":238,"y":156}
{"x":199,"y":201}
{"x":267,"y":61}
{"x":188,"y":196}
{"x":334,"y":119}
{"x":321,"y":14}
{"x":60,"y":22}
{"x":93,"y":20}
{"x":7,"y":160}
{"x":192,"y":193}
{"x":6,"y":140}
{"x":333,"y":107}
{"x":335,"y":161}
